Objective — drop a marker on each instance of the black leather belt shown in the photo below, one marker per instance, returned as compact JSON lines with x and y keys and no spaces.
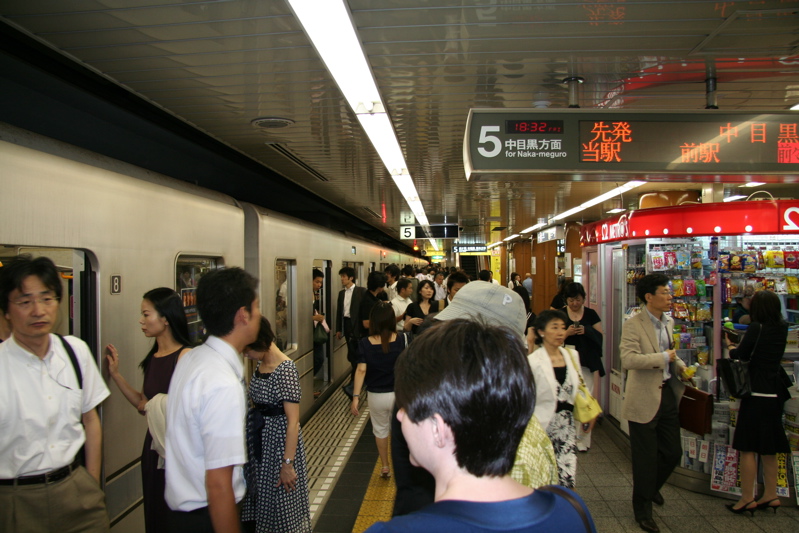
{"x":49,"y":477}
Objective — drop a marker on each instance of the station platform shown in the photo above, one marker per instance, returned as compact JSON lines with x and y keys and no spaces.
{"x":347,"y":494}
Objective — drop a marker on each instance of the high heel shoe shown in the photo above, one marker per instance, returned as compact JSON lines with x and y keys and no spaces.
{"x":741,"y":510}
{"x":385,"y":473}
{"x":767,"y":505}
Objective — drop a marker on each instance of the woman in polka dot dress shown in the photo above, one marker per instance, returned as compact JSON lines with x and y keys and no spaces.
{"x":277,"y":479}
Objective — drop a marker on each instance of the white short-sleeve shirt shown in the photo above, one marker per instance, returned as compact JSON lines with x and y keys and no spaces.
{"x":400,"y":305}
{"x":41,"y":406}
{"x":205,"y":420}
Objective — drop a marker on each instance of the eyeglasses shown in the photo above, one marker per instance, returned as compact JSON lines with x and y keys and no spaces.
{"x":664,"y":293}
{"x":27,"y":303}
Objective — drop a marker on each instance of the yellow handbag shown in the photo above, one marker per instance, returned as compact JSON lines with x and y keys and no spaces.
{"x":586,"y":408}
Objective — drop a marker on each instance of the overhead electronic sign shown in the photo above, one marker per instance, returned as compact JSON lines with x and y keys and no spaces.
{"x":469,"y":248}
{"x":520,"y":141}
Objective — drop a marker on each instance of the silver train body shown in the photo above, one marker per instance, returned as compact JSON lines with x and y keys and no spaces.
{"x":117,"y":231}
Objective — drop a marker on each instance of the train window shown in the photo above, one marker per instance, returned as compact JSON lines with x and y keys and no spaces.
{"x":321,"y":318}
{"x":188,"y":271}
{"x":284,"y":303}
{"x":358,"y":270}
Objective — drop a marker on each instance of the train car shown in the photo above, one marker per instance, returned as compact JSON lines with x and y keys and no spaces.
{"x":116,"y":231}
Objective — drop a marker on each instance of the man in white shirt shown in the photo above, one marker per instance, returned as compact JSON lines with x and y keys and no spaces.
{"x":441,"y":287}
{"x":207,"y":408}
{"x":392,"y":275}
{"x":401,"y":301}
{"x":49,"y":390}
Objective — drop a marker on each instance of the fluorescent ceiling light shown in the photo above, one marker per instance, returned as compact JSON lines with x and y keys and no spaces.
{"x":752,"y":184}
{"x":599,"y":199}
{"x":434,"y":244}
{"x":733,"y":198}
{"x":493,"y":245}
{"x":533,"y":228}
{"x":795,"y":107}
{"x":617,"y":210}
{"x":378,"y":127}
{"x":506,"y":239}
{"x":569,"y":213}
{"x":328,"y":25}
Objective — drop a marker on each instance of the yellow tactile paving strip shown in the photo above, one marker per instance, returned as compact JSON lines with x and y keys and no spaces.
{"x":378,"y":502}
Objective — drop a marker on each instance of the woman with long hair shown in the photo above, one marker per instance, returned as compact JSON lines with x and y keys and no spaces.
{"x":378,"y":352}
{"x":417,"y":311}
{"x":515,"y":280}
{"x":584,"y":332}
{"x":759,"y":430}
{"x":556,"y":373}
{"x":163,"y":319}
{"x":277,"y":476}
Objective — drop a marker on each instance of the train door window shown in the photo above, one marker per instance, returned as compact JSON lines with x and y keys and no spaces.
{"x":77,"y":310}
{"x":188,"y":271}
{"x":358,"y":267}
{"x":371,"y":266}
{"x":284,"y":304}
{"x":321,"y":311}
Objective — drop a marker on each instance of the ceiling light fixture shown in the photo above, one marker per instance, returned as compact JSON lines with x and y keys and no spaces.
{"x":599,"y":199}
{"x":328,"y":25}
{"x":533,"y":228}
{"x":616,"y":210}
{"x":735,"y":197}
{"x":752,"y":184}
{"x":506,"y":239}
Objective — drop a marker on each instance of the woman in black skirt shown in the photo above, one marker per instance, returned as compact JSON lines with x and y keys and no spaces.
{"x":759,"y":429}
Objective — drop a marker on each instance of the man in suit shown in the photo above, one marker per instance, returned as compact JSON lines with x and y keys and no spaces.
{"x":349,"y":301}
{"x":652,"y":395}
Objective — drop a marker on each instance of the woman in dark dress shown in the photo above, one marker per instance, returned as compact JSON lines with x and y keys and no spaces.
{"x":417,"y":311}
{"x":163,"y":319}
{"x":759,"y":429}
{"x":584,"y":332}
{"x":277,"y":473}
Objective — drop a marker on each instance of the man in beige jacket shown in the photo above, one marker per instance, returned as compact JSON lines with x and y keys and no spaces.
{"x":652,"y":395}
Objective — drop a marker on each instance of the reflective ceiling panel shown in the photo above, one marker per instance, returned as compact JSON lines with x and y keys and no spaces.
{"x":220,"y":64}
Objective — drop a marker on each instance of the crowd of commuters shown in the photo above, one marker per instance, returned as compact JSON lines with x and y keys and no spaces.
{"x":474,"y":390}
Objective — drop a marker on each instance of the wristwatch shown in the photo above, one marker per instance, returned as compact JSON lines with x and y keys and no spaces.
{"x":288,"y":461}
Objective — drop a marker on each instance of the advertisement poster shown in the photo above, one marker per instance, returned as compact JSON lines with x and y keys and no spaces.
{"x":795,"y":463}
{"x":782,"y":475}
{"x":724,"y":476}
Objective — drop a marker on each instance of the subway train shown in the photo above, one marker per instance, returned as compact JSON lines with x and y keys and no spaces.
{"x":116,"y":231}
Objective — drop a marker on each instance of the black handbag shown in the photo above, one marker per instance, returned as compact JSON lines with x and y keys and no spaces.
{"x":734,"y":374}
{"x":319,"y":334}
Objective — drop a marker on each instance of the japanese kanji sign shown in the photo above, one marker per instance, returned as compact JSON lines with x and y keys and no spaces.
{"x":576,"y":140}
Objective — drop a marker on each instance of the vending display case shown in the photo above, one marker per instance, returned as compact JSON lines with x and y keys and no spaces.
{"x":714,"y":255}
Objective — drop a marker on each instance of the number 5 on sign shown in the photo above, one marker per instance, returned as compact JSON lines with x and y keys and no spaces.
{"x":407,"y":232}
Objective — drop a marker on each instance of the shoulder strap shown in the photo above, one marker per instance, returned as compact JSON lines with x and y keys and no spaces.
{"x":560,"y":491}
{"x":577,"y":367}
{"x":72,"y":358}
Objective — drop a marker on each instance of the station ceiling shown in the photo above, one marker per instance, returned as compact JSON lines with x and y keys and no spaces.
{"x":217,"y":65}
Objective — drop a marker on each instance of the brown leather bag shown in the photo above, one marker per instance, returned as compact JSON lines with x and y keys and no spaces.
{"x":696,"y":411}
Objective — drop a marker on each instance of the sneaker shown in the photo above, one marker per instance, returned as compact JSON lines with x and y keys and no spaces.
{"x":582,"y":448}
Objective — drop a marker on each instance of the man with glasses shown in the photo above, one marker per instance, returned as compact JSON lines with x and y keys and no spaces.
{"x":49,"y":390}
{"x":652,"y":395}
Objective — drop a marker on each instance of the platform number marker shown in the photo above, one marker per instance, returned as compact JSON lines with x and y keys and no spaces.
{"x":407,"y":232}
{"x":116,"y":284}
